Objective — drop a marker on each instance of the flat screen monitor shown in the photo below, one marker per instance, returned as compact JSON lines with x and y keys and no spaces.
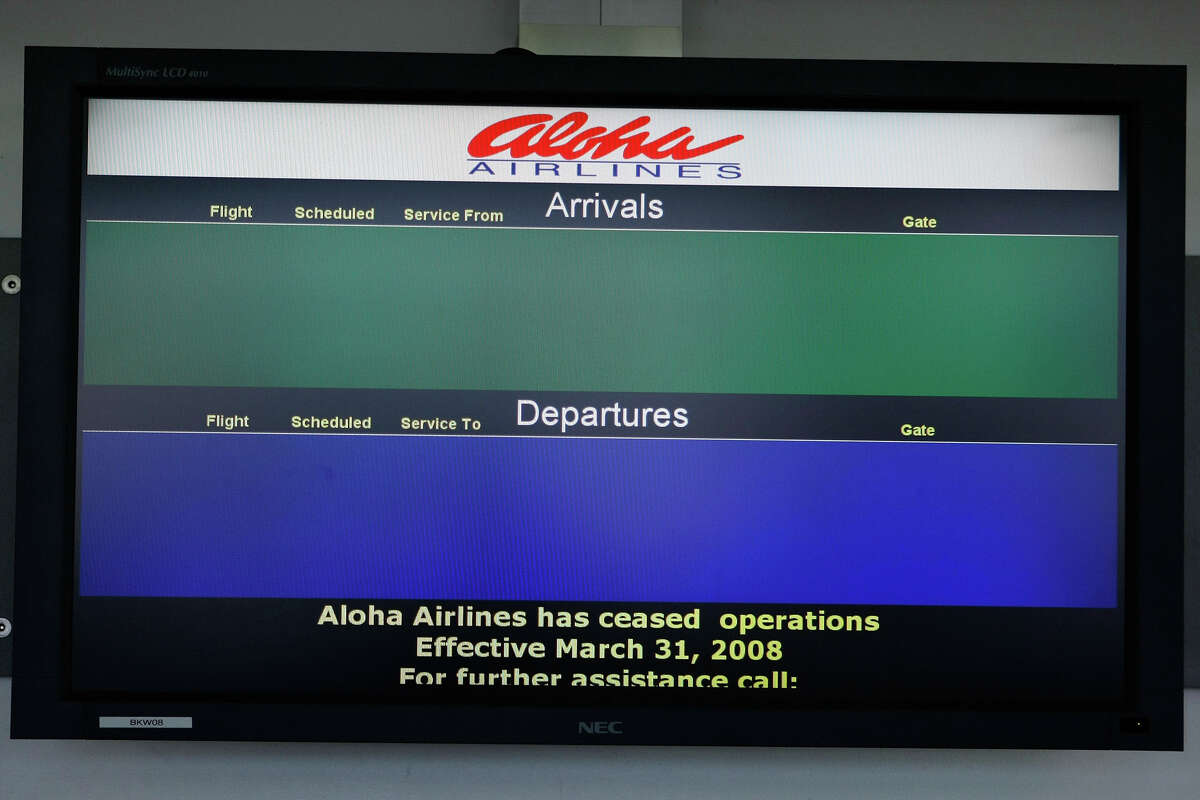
{"x":523,"y":399}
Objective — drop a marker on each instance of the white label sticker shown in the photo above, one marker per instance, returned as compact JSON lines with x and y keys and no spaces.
{"x":150,"y":723}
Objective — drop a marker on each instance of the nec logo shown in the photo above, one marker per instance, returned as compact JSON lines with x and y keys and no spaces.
{"x":601,"y":727}
{"x":570,"y":138}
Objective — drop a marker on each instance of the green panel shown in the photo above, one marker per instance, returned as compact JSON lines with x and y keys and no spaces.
{"x":662,"y":311}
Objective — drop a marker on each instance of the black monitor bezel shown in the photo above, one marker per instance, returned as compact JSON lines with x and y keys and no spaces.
{"x":1150,"y":101}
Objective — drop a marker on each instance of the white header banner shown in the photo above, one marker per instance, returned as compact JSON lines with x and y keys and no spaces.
{"x":196,"y":138}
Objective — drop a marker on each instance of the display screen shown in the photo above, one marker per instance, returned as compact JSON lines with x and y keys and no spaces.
{"x":592,"y":406}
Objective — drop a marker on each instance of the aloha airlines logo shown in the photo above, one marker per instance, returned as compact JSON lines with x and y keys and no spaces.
{"x":538,"y":145}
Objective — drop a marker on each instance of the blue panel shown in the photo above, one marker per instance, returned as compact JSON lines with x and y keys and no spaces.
{"x":473,"y":518}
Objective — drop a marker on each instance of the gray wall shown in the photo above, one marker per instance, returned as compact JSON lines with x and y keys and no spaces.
{"x":1163,"y":31}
